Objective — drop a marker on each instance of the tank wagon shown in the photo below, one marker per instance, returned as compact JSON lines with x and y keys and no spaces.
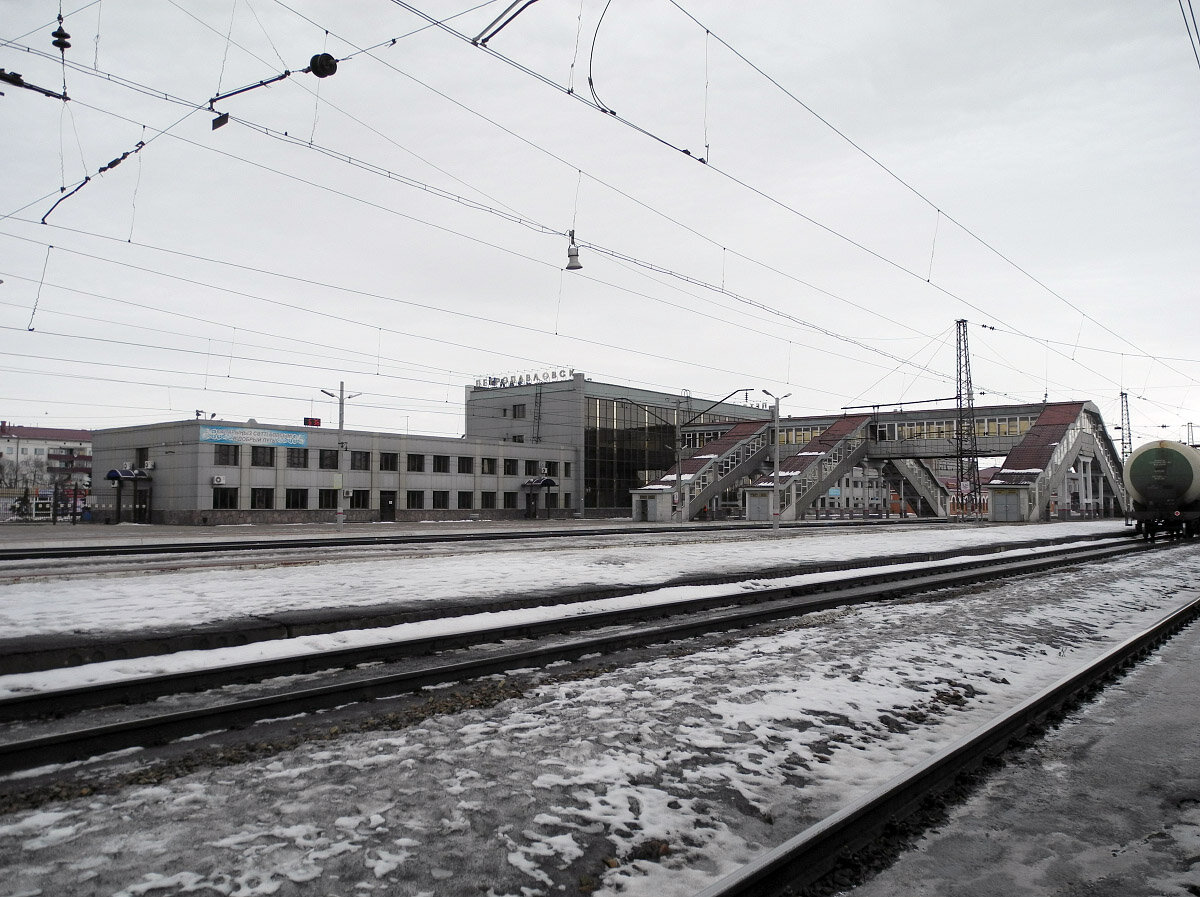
{"x":1162,"y":479}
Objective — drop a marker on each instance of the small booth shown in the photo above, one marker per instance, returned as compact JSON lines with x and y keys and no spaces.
{"x":653,"y":504}
{"x":126,"y":481}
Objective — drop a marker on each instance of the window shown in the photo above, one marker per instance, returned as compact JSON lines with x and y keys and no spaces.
{"x":551,"y":500}
{"x":487,"y":500}
{"x":466,"y":465}
{"x":510,"y":467}
{"x":224,"y":497}
{"x":141,"y":456}
{"x":464,"y":500}
{"x":487,"y":466}
{"x":295,"y":499}
{"x":441,"y":500}
{"x":389,"y":461}
{"x":262,"y":456}
{"x":531,"y":468}
{"x":327,"y":499}
{"x":551,"y":468}
{"x":262,"y":499}
{"x":566,"y":499}
{"x":441,"y":463}
{"x":566,"y":468}
{"x":416,"y":498}
{"x":518,"y":411}
{"x":360,"y":499}
{"x":518,"y":438}
{"x":510,"y":499}
{"x":416,"y":464}
{"x":297,"y":457}
{"x":360,"y":460}
{"x":327,"y":459}
{"x":223,"y":455}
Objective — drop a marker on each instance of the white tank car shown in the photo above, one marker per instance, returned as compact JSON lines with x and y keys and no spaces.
{"x":1163,"y":482}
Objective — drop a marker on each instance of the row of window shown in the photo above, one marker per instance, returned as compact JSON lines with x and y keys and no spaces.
{"x":327,"y":459}
{"x":226,"y":497}
{"x":263,"y":499}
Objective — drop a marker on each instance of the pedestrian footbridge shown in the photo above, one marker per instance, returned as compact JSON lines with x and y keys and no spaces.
{"x":1058,"y":458}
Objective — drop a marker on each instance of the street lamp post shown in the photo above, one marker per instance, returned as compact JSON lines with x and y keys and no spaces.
{"x":775,"y":506}
{"x":341,"y":396}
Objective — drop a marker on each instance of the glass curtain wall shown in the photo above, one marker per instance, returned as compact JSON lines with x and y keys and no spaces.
{"x":627,"y":445}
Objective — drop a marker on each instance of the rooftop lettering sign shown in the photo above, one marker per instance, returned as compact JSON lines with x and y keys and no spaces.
{"x":525,"y":378}
{"x":252,"y":436}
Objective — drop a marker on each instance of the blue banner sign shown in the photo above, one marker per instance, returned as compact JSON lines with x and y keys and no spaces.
{"x":252,"y":436}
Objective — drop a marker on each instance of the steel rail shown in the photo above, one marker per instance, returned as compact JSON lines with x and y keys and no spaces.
{"x":737,"y":608}
{"x":88,"y":742}
{"x":50,"y":651}
{"x":807,"y":858}
{"x":51,"y":552}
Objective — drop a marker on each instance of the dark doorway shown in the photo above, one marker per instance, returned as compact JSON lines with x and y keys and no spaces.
{"x":387,"y":507}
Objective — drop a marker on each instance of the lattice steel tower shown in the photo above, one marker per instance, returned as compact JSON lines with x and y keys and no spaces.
{"x":1126,"y":432}
{"x":966,"y":442}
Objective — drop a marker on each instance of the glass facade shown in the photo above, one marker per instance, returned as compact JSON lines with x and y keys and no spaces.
{"x":628,"y":444}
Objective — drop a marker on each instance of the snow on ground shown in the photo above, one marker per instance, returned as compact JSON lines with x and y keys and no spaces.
{"x":196,"y":596}
{"x":650,"y":780}
{"x":113,"y":671}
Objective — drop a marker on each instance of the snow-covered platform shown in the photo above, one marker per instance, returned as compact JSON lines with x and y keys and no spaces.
{"x":1108,"y":804}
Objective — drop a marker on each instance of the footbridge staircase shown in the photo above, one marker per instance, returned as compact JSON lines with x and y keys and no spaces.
{"x":686,"y":490}
{"x":917,"y":484}
{"x":1067,"y":447}
{"x":807,"y":476}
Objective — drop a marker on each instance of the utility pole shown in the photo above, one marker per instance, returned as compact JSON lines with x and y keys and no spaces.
{"x":775,"y":506}
{"x":341,"y":396}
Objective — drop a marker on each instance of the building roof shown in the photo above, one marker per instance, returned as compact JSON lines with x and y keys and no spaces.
{"x":1033,"y":453}
{"x":49,"y":434}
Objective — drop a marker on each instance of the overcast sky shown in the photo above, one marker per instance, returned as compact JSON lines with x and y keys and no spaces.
{"x":875,"y":172}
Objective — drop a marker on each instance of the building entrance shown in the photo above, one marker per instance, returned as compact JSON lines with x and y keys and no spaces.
{"x":387,"y":506}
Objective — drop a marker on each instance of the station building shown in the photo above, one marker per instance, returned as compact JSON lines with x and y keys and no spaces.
{"x":547,"y":443}
{"x":626,"y":436}
{"x":230,"y":472}
{"x":553,"y":443}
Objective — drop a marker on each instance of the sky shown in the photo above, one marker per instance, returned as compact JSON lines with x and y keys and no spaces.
{"x":872,"y":173}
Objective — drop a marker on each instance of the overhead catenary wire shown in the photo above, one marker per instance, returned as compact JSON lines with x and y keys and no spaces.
{"x":1192,"y":31}
{"x":916,"y":192}
{"x":523,"y":222}
{"x":599,"y":106}
{"x":350,"y":160}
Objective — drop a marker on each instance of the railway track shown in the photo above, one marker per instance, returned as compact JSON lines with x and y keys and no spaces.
{"x":114,"y":549}
{"x":31,"y":653}
{"x":849,"y":842}
{"x":619,"y":630}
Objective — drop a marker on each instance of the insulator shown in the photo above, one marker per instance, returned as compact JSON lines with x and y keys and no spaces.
{"x":322,"y":65}
{"x":60,"y":39}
